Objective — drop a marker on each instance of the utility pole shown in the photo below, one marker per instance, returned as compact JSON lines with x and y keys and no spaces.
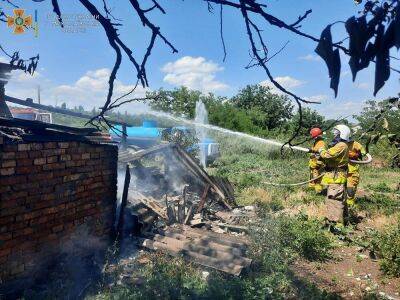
{"x":38,"y":93}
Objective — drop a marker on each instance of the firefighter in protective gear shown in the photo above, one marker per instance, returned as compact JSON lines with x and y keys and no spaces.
{"x":315,"y":163}
{"x":336,"y":159}
{"x":356,"y":152}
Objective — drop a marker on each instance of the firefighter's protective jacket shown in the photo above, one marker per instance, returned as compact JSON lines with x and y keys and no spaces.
{"x":315,"y":162}
{"x":356,"y":152}
{"x":336,"y":160}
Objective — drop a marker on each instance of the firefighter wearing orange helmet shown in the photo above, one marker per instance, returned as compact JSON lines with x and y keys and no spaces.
{"x":315,"y":163}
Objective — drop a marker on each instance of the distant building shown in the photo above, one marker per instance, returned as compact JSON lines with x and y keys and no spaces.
{"x":31,"y":114}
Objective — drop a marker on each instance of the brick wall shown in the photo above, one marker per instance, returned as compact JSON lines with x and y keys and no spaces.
{"x":48,"y":191}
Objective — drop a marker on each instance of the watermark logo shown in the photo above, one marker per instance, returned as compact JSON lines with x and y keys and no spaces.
{"x":19,"y":21}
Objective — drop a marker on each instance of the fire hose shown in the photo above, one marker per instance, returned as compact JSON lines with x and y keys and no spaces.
{"x":358,"y":162}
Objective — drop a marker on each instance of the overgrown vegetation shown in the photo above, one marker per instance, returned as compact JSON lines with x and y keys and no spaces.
{"x":386,"y":245}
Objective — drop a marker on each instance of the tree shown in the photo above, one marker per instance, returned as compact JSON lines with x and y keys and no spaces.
{"x":311,"y":118}
{"x":276,"y":109}
{"x":179,"y":102}
{"x":381,"y":120}
{"x":389,"y":119}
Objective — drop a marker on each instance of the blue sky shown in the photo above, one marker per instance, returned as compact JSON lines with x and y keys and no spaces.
{"x":74,"y":67}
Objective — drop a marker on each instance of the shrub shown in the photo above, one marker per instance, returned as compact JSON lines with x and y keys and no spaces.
{"x":306,"y":237}
{"x":386,"y":245}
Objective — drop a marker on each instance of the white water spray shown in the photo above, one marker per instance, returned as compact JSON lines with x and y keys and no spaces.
{"x":201,"y":131}
{"x":225,"y":131}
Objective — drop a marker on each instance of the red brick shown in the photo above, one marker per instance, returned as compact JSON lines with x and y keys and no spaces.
{"x":65,"y":157}
{"x":39,"y":161}
{"x":24,"y":147}
{"x":52,"y":159}
{"x":50,"y":145}
{"x":41,"y":177}
{"x":35,"y":154}
{"x":72,"y":177}
{"x":28,"y":216}
{"x":55,"y":166}
{"x":25,"y":162}
{"x":53,"y":152}
{"x":21,"y":155}
{"x":8,"y":163}
{"x":10,"y":148}
{"x":7,"y":171}
{"x":11,"y":180}
{"x":27,"y":170}
{"x":25,"y":186}
{"x":63,"y":145}
{"x":8,"y":155}
{"x":41,"y":220}
{"x":36,"y":146}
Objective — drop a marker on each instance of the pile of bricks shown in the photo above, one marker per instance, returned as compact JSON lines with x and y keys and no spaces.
{"x":48,"y":190}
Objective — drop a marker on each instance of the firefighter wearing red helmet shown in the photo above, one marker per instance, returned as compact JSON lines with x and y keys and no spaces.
{"x":315,"y":163}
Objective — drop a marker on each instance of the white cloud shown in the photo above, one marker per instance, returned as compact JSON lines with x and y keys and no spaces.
{"x":363,"y":86}
{"x":195,"y":73}
{"x":90,"y":90}
{"x":285,"y":81}
{"x":310,"y":57}
{"x":317,"y":98}
{"x":338,"y":108}
{"x":22,"y":77}
{"x":345,"y":73}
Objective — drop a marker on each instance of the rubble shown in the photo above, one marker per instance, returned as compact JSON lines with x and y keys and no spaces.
{"x":178,"y":208}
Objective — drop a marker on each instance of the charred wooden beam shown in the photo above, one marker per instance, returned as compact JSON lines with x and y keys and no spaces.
{"x":203,"y":198}
{"x":124,"y":199}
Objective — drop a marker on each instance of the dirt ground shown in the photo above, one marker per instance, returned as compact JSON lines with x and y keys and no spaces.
{"x":352,"y":273}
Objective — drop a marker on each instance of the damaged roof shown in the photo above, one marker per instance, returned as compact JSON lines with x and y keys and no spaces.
{"x":20,"y":130}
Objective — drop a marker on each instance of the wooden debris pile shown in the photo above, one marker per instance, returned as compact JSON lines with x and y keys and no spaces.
{"x":178,"y":208}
